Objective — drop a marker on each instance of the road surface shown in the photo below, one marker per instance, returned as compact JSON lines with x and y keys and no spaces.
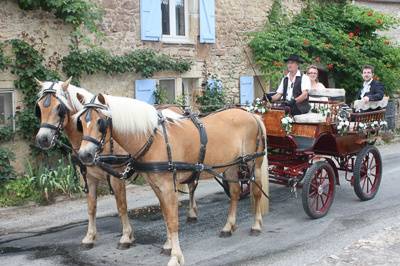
{"x":289,"y":237}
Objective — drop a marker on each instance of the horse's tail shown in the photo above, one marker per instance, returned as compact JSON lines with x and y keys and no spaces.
{"x":264,"y":202}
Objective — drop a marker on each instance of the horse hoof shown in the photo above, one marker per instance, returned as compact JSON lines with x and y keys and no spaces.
{"x":191,"y":219}
{"x":224,"y":234}
{"x":166,"y":251}
{"x":87,"y":246}
{"x":124,"y":246}
{"x":255,"y":232}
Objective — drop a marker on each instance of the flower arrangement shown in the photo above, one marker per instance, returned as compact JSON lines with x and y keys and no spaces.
{"x":344,"y":124}
{"x":286,"y":124}
{"x":322,"y":109}
{"x":258,"y":106}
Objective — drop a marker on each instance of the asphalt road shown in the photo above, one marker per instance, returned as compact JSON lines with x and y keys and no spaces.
{"x":289,"y":237}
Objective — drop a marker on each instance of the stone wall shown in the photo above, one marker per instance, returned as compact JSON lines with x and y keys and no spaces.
{"x":235,"y":19}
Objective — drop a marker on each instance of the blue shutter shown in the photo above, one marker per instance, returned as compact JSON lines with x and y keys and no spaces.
{"x":150,"y":20}
{"x":144,"y":90}
{"x":207,"y":21}
{"x":246,"y":90}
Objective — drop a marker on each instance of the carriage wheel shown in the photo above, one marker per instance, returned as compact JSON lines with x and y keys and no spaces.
{"x":244,"y":189}
{"x":367,"y":173}
{"x":318,"y":189}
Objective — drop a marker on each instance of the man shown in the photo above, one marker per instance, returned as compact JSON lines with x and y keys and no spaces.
{"x":372,"y":90}
{"x":294,"y":87}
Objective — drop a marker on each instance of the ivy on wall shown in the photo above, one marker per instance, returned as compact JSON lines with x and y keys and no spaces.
{"x":143,"y":61}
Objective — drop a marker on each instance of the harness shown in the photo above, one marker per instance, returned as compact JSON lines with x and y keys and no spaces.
{"x":133,"y":164}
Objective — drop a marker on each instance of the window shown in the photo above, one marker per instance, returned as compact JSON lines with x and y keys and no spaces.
{"x":168,"y":85}
{"x":6,"y":108}
{"x":174,"y":19}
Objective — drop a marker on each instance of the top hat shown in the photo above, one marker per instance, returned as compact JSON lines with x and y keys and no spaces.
{"x":295,"y":58}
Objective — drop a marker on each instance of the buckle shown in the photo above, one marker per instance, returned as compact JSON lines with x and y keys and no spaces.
{"x":199,"y":167}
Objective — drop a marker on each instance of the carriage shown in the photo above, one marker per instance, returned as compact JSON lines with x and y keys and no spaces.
{"x":315,"y":147}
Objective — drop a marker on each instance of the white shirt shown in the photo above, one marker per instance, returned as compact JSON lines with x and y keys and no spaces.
{"x":366,"y":87}
{"x":305,"y":85}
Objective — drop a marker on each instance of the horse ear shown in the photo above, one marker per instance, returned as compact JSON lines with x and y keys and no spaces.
{"x":66,"y":83}
{"x":101,"y":98}
{"x":81,"y":98}
{"x":38,"y":82}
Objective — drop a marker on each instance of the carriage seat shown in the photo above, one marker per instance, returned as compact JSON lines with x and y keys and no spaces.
{"x":360,"y":105}
{"x":310,"y":118}
{"x":326,"y":95}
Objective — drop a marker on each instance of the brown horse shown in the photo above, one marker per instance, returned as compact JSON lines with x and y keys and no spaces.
{"x":57,"y":106}
{"x":231,"y":134}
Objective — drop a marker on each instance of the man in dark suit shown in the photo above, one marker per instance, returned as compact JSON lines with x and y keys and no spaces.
{"x":372,"y":90}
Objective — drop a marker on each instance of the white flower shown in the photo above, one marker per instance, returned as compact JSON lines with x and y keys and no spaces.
{"x":284,"y":120}
{"x":361,"y":125}
{"x":383,"y":123}
{"x":258,"y":99}
{"x":339,"y":127}
{"x":347,"y":123}
{"x":290,"y":120}
{"x":262,"y":110}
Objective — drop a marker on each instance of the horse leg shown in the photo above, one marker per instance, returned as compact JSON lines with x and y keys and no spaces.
{"x":169,"y":204}
{"x":127,"y":238}
{"x":88,"y":240}
{"x":192,"y":212}
{"x":230,"y":226}
{"x":260,"y":203}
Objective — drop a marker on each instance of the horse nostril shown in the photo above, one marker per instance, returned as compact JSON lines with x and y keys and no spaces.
{"x":86,"y":157}
{"x":43,"y":141}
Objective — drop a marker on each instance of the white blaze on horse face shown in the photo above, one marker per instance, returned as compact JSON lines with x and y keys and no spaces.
{"x":88,"y":124}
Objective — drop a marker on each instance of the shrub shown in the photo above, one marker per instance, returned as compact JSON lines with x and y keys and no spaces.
{"x":337,"y":36}
{"x":6,"y":170}
{"x":213,"y":97}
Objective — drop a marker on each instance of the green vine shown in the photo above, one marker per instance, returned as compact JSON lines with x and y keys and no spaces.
{"x":27,"y":65}
{"x":144,"y":61}
{"x":75,"y":12}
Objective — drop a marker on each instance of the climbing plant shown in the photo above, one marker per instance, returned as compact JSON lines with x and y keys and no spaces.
{"x":143,"y":61}
{"x":340,"y":37}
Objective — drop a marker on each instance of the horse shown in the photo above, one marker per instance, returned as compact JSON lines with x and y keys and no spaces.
{"x":56,"y":106}
{"x":62,"y":104}
{"x":159,"y":142}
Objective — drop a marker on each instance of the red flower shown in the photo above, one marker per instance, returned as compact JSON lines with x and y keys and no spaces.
{"x":317,"y":59}
{"x":306,"y":42}
{"x":379,"y":21}
{"x":386,"y":42}
{"x":376,"y":78}
{"x":370,"y":13}
{"x":351,"y":35}
{"x":330,"y":67}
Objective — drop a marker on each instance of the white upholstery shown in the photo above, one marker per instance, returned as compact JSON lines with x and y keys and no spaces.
{"x":328,"y":92}
{"x":361,"y":105}
{"x":312,"y":118}
{"x":318,"y":99}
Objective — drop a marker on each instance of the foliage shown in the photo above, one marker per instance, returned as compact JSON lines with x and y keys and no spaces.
{"x":144,"y":61}
{"x":6,"y":170}
{"x":61,"y":179}
{"x":75,"y":12}
{"x":340,"y":38}
{"x":27,"y":65}
{"x":213,"y":97}
{"x":160,"y":95}
{"x":17,"y":192}
{"x":4,"y":60}
{"x":6,"y":133}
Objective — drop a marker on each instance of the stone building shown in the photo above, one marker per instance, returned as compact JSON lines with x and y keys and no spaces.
{"x":212,"y":34}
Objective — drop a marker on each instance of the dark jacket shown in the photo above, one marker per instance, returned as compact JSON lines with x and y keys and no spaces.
{"x":376,"y":91}
{"x":299,"y":108}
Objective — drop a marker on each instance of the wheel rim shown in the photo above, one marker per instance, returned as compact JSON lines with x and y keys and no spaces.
{"x":321,"y":191}
{"x":369,"y":174}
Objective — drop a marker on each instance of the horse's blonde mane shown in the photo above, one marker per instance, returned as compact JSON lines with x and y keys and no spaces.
{"x":131,"y":115}
{"x":72,"y":90}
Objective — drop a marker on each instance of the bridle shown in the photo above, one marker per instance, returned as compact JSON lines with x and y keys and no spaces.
{"x":63,"y":111}
{"x":103,"y":124}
